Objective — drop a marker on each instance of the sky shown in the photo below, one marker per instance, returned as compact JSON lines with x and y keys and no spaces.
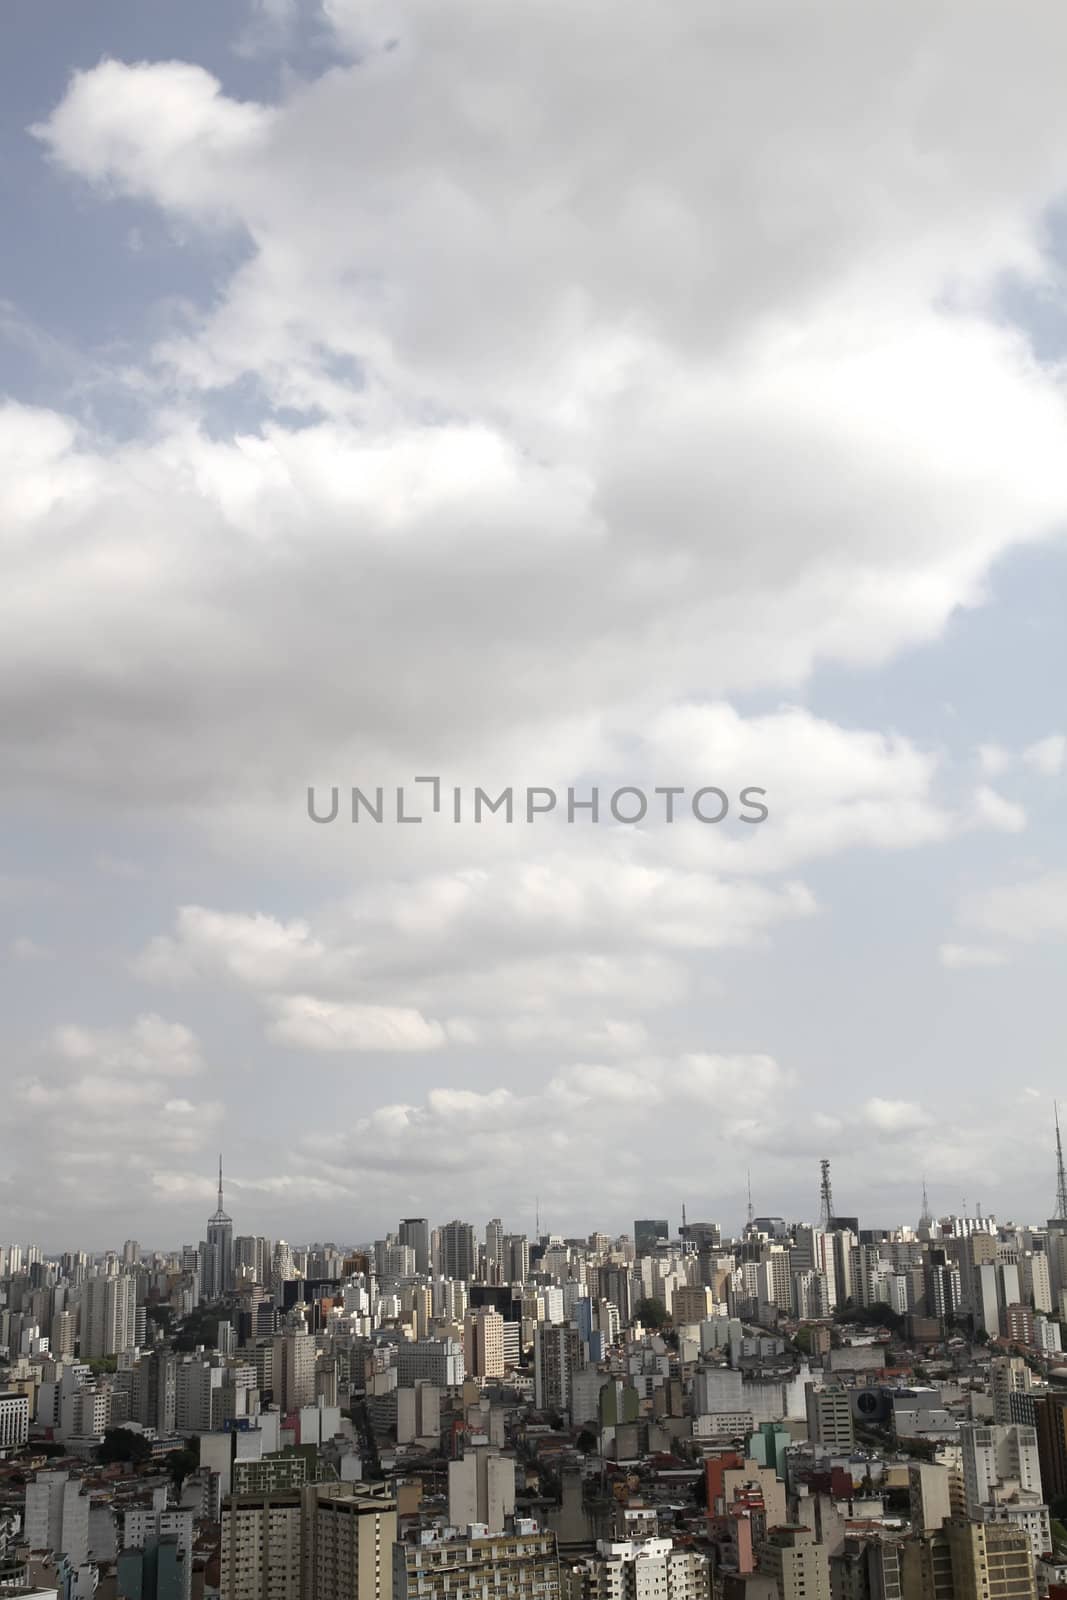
{"x":556,"y":396}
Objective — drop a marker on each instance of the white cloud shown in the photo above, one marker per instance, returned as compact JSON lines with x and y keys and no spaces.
{"x":255,"y":950}
{"x":895,"y":1116}
{"x":959,"y":957}
{"x":555,"y":450}
{"x":994,"y":810}
{"x":994,"y":760}
{"x":649,"y":417}
{"x":314,"y":1024}
{"x":106,"y":1098}
{"x":26,"y":949}
{"x":1035,"y":908}
{"x":1047,"y":755}
{"x":195,"y":129}
{"x":150,"y":1046}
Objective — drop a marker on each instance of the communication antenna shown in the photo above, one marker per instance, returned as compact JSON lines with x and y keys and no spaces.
{"x":826,"y":1199}
{"x":1061,"y":1176}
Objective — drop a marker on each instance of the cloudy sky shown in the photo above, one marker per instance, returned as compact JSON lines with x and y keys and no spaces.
{"x":545,"y":394}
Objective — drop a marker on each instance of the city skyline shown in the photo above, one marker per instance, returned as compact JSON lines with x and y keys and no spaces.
{"x":926,"y":1209}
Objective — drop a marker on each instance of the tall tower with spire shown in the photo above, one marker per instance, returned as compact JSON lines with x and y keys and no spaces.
{"x":826,"y":1199}
{"x":216,"y":1270}
{"x":926,"y":1221}
{"x":1057,"y":1225}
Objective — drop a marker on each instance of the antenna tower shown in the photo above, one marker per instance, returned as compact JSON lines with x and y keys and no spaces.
{"x":826,"y":1199}
{"x":1061,"y":1176}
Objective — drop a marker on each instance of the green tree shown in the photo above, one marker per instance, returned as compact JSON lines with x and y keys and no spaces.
{"x":123,"y":1444}
{"x":180,"y":1463}
{"x":876,"y":1316}
{"x":161,"y":1315}
{"x":651,"y":1313}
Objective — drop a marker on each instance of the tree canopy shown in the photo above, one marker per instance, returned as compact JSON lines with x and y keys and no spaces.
{"x":651,"y":1313}
{"x":123,"y":1444}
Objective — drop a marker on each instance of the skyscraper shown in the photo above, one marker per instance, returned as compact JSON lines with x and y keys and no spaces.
{"x":109,"y":1312}
{"x":648,"y":1231}
{"x":217,"y":1253}
{"x":415,"y":1231}
{"x":558,"y":1355}
{"x":799,"y":1565}
{"x":1051,"y":1415}
{"x":458,"y":1254}
{"x":494,"y":1250}
{"x":332,"y":1541}
{"x":483,"y":1342}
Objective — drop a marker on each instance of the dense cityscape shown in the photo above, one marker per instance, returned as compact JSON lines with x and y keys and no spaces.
{"x":813,"y":1409}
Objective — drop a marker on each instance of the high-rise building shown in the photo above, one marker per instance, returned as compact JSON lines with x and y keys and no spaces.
{"x":867,"y":1568}
{"x":153,"y":1391}
{"x":163,"y":1536}
{"x":415,"y":1231}
{"x":57,"y":1516}
{"x":483,"y":1344}
{"x":216,"y":1272}
{"x":691,"y":1303}
{"x":323,"y":1542}
{"x":998,"y":1461}
{"x":436,"y":1361}
{"x":62,"y":1335}
{"x":109,"y":1315}
{"x":1035,"y":1282}
{"x":516,"y":1258}
{"x":521,"y":1564}
{"x":969,"y":1561}
{"x":797,"y":1562}
{"x":1050,"y":1413}
{"x":926,"y":1566}
{"x":494,"y":1251}
{"x":935,"y":1492}
{"x":293,"y":1370}
{"x":558,"y":1355}
{"x":985,"y":1291}
{"x":459,"y":1256}
{"x":158,"y":1569}
{"x":350,"y":1536}
{"x":829,"y":1413}
{"x":990,"y":1559}
{"x":1008,"y":1375}
{"x":14,"y":1420}
{"x":262,"y":1555}
{"x":1002,"y":1480}
{"x":639,"y":1569}
{"x":648,"y":1233}
{"x":481,"y":1489}
{"x":252,"y":1255}
{"x":395,"y":1261}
